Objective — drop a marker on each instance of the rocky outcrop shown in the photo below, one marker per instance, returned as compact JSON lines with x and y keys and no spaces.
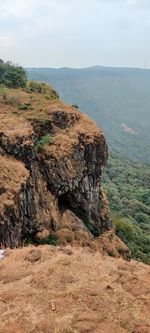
{"x":51,"y":163}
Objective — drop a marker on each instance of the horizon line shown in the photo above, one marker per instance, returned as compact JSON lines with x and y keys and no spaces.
{"x":87,"y":67}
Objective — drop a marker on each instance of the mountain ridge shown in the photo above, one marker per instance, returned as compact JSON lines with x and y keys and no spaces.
{"x":95,"y":67}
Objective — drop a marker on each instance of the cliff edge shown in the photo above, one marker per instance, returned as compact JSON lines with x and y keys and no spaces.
{"x":51,"y":162}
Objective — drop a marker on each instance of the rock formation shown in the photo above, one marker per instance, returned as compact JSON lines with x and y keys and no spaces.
{"x":51,"y":162}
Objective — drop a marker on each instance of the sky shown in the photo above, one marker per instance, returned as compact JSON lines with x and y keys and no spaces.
{"x":75,"y":33}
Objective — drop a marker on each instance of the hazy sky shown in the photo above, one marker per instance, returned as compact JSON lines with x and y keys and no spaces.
{"x":75,"y":33}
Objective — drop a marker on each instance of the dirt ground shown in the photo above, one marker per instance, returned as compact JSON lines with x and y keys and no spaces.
{"x":49,"y":289}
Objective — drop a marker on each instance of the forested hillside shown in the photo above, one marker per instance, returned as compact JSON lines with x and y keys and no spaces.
{"x":127,"y":185}
{"x":117,"y":99}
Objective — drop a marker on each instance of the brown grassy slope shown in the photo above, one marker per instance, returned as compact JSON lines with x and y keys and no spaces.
{"x":42,"y":117}
{"x":72,"y":290}
{"x":14,"y":121}
{"x":13,"y":175}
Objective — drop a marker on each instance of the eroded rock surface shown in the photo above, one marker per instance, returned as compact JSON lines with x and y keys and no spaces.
{"x":51,"y":162}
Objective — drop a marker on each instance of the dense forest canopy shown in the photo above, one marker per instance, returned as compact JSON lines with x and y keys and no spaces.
{"x":11,"y":75}
{"x":127,"y":185}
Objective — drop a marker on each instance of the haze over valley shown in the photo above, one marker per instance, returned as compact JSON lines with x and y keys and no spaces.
{"x":118,"y":99}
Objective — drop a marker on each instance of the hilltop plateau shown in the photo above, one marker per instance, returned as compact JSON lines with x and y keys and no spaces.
{"x":51,"y":289}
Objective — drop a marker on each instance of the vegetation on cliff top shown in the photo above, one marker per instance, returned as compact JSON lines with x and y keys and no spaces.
{"x":12,"y":76}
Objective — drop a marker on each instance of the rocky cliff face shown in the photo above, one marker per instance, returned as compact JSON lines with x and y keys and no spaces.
{"x":51,"y":162}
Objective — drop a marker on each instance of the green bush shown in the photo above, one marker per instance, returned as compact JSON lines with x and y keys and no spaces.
{"x":25,"y":106}
{"x":3,"y":91}
{"x":11,"y":75}
{"x":34,"y":86}
{"x":42,"y":88}
{"x":51,"y":240}
{"x":43,"y":140}
{"x":75,"y":106}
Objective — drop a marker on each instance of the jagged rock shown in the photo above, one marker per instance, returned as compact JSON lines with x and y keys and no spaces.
{"x":51,"y":163}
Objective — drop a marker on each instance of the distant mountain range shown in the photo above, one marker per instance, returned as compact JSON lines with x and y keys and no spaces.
{"x":118,"y":99}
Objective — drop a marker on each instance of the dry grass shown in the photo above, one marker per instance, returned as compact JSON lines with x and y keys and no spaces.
{"x":92,"y":293}
{"x":64,"y":325}
{"x":43,"y":119}
{"x":11,"y":328}
{"x":13,"y":175}
{"x":112,"y":244}
{"x":42,"y":109}
{"x":14,"y":126}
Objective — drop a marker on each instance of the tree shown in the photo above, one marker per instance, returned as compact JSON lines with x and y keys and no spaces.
{"x":11,"y":75}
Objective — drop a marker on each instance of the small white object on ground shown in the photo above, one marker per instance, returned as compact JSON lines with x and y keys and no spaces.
{"x":1,"y":254}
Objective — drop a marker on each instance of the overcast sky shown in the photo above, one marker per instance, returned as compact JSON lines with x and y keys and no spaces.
{"x":75,"y":33}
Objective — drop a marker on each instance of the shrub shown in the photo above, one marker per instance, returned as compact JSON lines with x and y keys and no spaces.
{"x":43,"y":140}
{"x":3,"y":91}
{"x":11,"y":99}
{"x":11,"y":75}
{"x":8,"y":97}
{"x":24,"y":106}
{"x":34,"y":86}
{"x":75,"y":106}
{"x":42,"y":88}
{"x":51,"y":240}
{"x":112,"y":253}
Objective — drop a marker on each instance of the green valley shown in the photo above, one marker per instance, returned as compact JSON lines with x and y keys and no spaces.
{"x":127,"y":185}
{"x":118,"y":99}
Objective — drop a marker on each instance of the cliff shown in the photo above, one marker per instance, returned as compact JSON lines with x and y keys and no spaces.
{"x":51,"y":162}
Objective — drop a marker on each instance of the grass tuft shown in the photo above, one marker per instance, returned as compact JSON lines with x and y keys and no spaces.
{"x":42,"y":141}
